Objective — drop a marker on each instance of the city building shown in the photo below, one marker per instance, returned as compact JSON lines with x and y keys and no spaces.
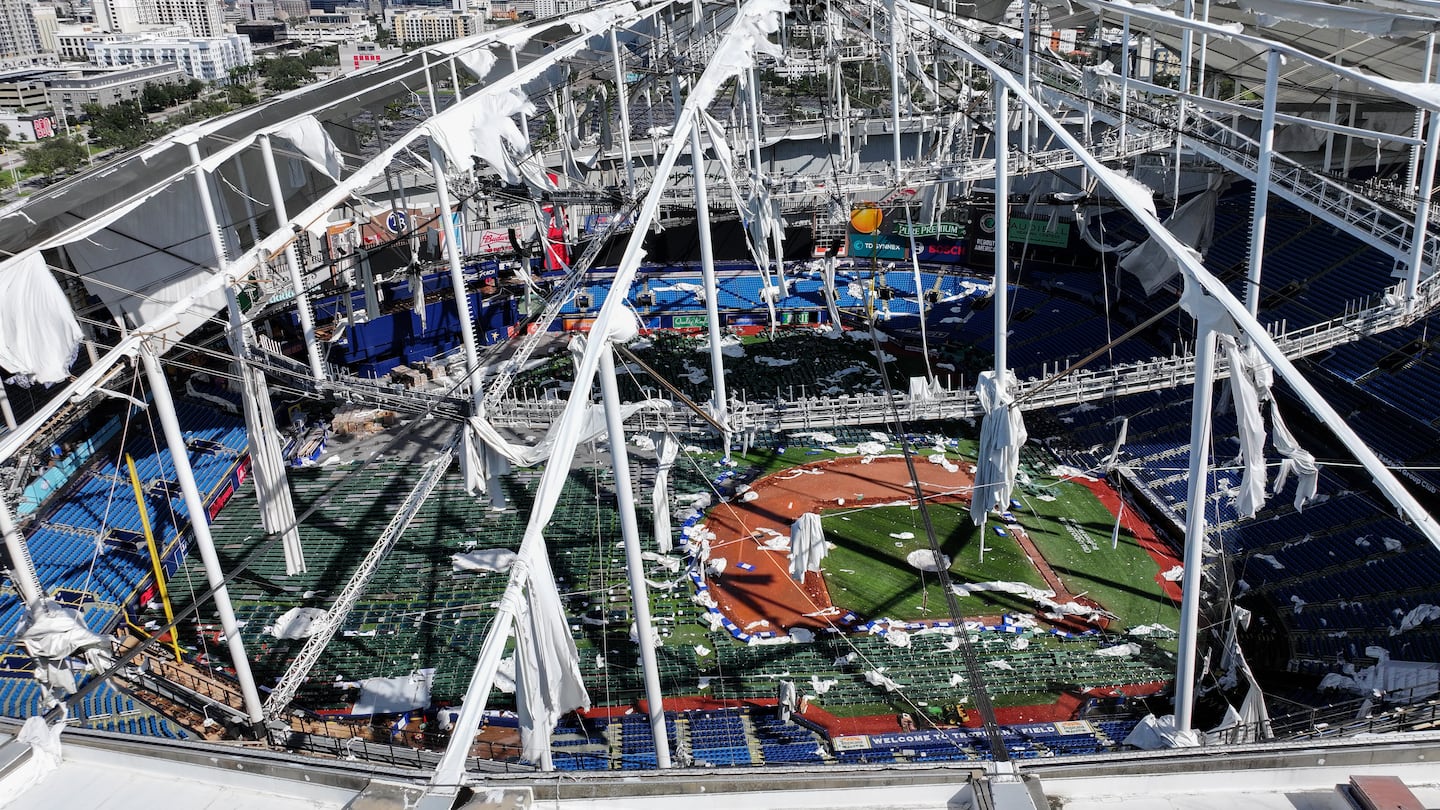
{"x":19,"y":37}
{"x":24,"y":90}
{"x":421,"y":26}
{"x":360,"y":55}
{"x":47,"y":24}
{"x":73,"y":41}
{"x":206,"y":18}
{"x":329,"y":28}
{"x":110,"y":86}
{"x":208,"y":59}
{"x":123,"y":16}
{"x":263,"y":32}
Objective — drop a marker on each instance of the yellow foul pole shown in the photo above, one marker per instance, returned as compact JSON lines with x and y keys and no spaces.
{"x":154,"y":553}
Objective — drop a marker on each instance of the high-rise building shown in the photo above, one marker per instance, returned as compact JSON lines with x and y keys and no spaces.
{"x":47,"y":27}
{"x":123,"y":16}
{"x":256,"y":10}
{"x":18,"y":34}
{"x":205,"y":17}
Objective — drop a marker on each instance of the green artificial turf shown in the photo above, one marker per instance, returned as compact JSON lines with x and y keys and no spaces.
{"x":1121,"y":579}
{"x":867,"y":571}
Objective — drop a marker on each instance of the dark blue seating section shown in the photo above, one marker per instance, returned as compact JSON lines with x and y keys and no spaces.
{"x":785,"y":742}
{"x":88,"y":548}
{"x":718,"y":738}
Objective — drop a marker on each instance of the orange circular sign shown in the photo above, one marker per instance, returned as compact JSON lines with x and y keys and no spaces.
{"x":866,"y":218}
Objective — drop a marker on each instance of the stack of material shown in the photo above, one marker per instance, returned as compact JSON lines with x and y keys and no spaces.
{"x":354,"y":420}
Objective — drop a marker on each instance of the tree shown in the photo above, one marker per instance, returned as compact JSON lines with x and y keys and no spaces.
{"x":154,"y":98}
{"x":4,"y":137}
{"x":285,"y":73}
{"x":240,"y":95}
{"x":55,"y":154}
{"x":119,"y":126}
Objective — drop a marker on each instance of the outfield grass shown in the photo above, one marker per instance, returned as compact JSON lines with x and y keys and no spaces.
{"x":1122,"y":579}
{"x":867,"y":571}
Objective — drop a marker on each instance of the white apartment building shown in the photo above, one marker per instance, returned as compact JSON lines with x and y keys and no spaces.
{"x":18,"y":35}
{"x":208,"y":59}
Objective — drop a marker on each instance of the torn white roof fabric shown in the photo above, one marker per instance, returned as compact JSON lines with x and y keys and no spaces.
{"x":1002,"y":433}
{"x":39,"y":335}
{"x":807,"y":545}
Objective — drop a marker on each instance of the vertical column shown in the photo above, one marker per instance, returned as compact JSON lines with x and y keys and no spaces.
{"x":22,"y":568}
{"x":622,"y":93}
{"x":1124,"y":79}
{"x":1187,"y":47}
{"x":1413,"y":169}
{"x":895,"y":68}
{"x":634,"y":564}
{"x":712,"y":294}
{"x":1334,"y":111}
{"x":302,"y":300}
{"x":1185,"y":674}
{"x":1262,"y":184}
{"x":429,"y":84}
{"x":1000,"y":292}
{"x":457,"y":278}
{"x":164,"y":408}
{"x":515,"y":68}
{"x":1025,"y":46}
{"x":1421,"y":236}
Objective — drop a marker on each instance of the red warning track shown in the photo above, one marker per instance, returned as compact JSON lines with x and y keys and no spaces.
{"x":765,"y":597}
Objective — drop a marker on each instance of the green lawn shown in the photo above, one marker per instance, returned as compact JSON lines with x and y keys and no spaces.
{"x":867,"y":571}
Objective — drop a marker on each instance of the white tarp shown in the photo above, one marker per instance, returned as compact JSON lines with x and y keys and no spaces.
{"x":39,"y":336}
{"x":406,"y":693}
{"x":485,"y":127}
{"x":926,"y":560}
{"x":1251,"y":495}
{"x":1398,"y":680}
{"x":1417,"y":616}
{"x":1002,"y":433}
{"x":923,"y":390}
{"x":667,"y":449}
{"x":528,"y":456}
{"x":807,"y":545}
{"x":1294,"y":459}
{"x":547,"y":666}
{"x":298,"y":622}
{"x":45,"y":753}
{"x":489,"y":559}
{"x":1154,"y":733}
{"x":1192,"y":223}
{"x":877,"y":677}
{"x":54,"y":636}
{"x":310,"y":139}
